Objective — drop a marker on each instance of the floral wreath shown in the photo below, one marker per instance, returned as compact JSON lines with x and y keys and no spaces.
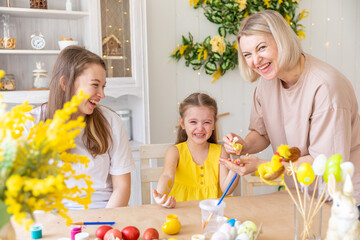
{"x":217,"y":54}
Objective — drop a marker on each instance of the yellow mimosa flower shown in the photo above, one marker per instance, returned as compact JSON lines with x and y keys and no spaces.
{"x":266,"y":3}
{"x":288,"y":18}
{"x":235,"y":45}
{"x":301,"y":34}
{"x":304,"y":14}
{"x":46,"y":144}
{"x":216,"y":75}
{"x":182,"y":49}
{"x":176,"y":49}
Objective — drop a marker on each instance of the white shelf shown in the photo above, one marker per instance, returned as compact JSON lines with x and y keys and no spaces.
{"x":42,"y":13}
{"x":33,"y":97}
{"x":23,"y":51}
{"x":40,"y":96}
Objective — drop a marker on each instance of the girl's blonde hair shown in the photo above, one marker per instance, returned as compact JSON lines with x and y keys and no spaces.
{"x":70,"y":64}
{"x":270,"y":22}
{"x":197,"y":100}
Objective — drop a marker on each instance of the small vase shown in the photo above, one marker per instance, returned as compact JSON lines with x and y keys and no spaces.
{"x":313,"y":229}
{"x":7,"y":232}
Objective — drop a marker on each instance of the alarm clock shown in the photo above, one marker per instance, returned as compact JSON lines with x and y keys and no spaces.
{"x":37,"y":41}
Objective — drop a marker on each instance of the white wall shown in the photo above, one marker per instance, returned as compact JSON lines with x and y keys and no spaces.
{"x":334,"y":21}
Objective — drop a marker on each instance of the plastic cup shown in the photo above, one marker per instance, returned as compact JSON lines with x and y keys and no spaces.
{"x":208,"y":207}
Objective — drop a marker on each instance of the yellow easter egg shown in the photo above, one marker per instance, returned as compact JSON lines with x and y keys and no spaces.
{"x":305,"y":174}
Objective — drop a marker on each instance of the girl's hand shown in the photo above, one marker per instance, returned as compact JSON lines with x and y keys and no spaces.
{"x":247,"y":165}
{"x":229,"y":148}
{"x":162,"y":201}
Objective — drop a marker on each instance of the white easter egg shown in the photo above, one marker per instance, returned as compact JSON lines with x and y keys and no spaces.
{"x":346,"y":168}
{"x":243,"y":236}
{"x":319,"y":164}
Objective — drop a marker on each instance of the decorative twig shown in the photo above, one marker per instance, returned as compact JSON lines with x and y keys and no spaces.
{"x":313,"y":196}
{"x":296,"y":186}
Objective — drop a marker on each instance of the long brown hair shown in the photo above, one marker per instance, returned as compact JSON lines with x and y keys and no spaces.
{"x":196,"y":100}
{"x":70,"y":64}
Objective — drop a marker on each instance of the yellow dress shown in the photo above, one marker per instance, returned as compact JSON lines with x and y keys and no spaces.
{"x":195,"y":182}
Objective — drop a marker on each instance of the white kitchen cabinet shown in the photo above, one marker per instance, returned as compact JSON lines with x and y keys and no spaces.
{"x":84,"y":25}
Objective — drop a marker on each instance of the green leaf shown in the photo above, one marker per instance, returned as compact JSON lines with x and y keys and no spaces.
{"x":191,"y":37}
{"x":185,"y":41}
{"x":187,"y":63}
{"x":222,"y":31}
{"x":195,"y":62}
{"x":216,"y":56}
{"x":207,"y":42}
{"x":210,"y":66}
{"x":216,"y":19}
{"x":229,"y":18}
{"x":196,"y":67}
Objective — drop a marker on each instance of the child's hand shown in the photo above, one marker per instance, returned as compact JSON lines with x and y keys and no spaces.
{"x":161,"y":200}
{"x":233,"y":144}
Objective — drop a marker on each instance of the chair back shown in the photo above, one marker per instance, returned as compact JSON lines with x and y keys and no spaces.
{"x":150,"y":172}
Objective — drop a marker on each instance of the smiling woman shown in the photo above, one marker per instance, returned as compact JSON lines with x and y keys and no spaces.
{"x":104,"y":140}
{"x":299,"y":100}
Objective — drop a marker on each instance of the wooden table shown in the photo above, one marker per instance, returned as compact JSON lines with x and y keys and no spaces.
{"x":275,"y":211}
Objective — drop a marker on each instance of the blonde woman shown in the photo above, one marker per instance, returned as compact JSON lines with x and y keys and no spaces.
{"x":299,"y":101}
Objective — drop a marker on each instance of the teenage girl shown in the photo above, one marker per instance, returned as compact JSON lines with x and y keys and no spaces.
{"x":104,"y":139}
{"x":191,"y":169}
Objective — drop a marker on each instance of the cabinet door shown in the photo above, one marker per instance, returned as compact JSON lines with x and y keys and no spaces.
{"x":123,"y":46}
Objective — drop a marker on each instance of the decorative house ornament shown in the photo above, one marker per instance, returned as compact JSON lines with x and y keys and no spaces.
{"x":41,"y":4}
{"x":111,"y":46}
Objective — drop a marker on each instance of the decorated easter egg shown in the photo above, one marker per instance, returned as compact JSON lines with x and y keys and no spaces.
{"x":346,"y":168}
{"x":305,"y":174}
{"x":334,"y":169}
{"x":319,"y":164}
{"x":335,"y":159}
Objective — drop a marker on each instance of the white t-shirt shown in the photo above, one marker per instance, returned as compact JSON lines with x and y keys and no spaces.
{"x":117,"y":160}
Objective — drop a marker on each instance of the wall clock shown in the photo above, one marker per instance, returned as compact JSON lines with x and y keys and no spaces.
{"x":37,"y":41}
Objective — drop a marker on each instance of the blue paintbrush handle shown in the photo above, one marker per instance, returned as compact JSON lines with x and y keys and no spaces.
{"x":99,"y":223}
{"x":227,"y":189}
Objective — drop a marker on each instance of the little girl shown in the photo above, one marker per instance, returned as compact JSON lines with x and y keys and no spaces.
{"x":191,"y":169}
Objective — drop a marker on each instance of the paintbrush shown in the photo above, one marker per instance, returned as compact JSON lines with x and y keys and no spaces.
{"x":94,"y":223}
{"x":222,"y":197}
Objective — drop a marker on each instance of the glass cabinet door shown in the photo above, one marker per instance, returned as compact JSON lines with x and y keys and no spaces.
{"x":116,"y":37}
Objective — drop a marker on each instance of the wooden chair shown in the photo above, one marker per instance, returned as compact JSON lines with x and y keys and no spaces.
{"x":250,"y":181}
{"x":150,"y":172}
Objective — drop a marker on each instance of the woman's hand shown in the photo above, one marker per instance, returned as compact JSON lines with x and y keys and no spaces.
{"x":162,"y":201}
{"x":228,"y":139}
{"x":246,"y":166}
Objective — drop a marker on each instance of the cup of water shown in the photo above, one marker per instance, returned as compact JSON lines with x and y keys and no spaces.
{"x":208,"y":207}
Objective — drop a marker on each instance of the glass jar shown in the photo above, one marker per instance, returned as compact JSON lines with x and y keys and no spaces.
{"x":8,"y":38}
{"x":125,"y":115}
{"x":40,"y":76}
{"x":8,"y":83}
